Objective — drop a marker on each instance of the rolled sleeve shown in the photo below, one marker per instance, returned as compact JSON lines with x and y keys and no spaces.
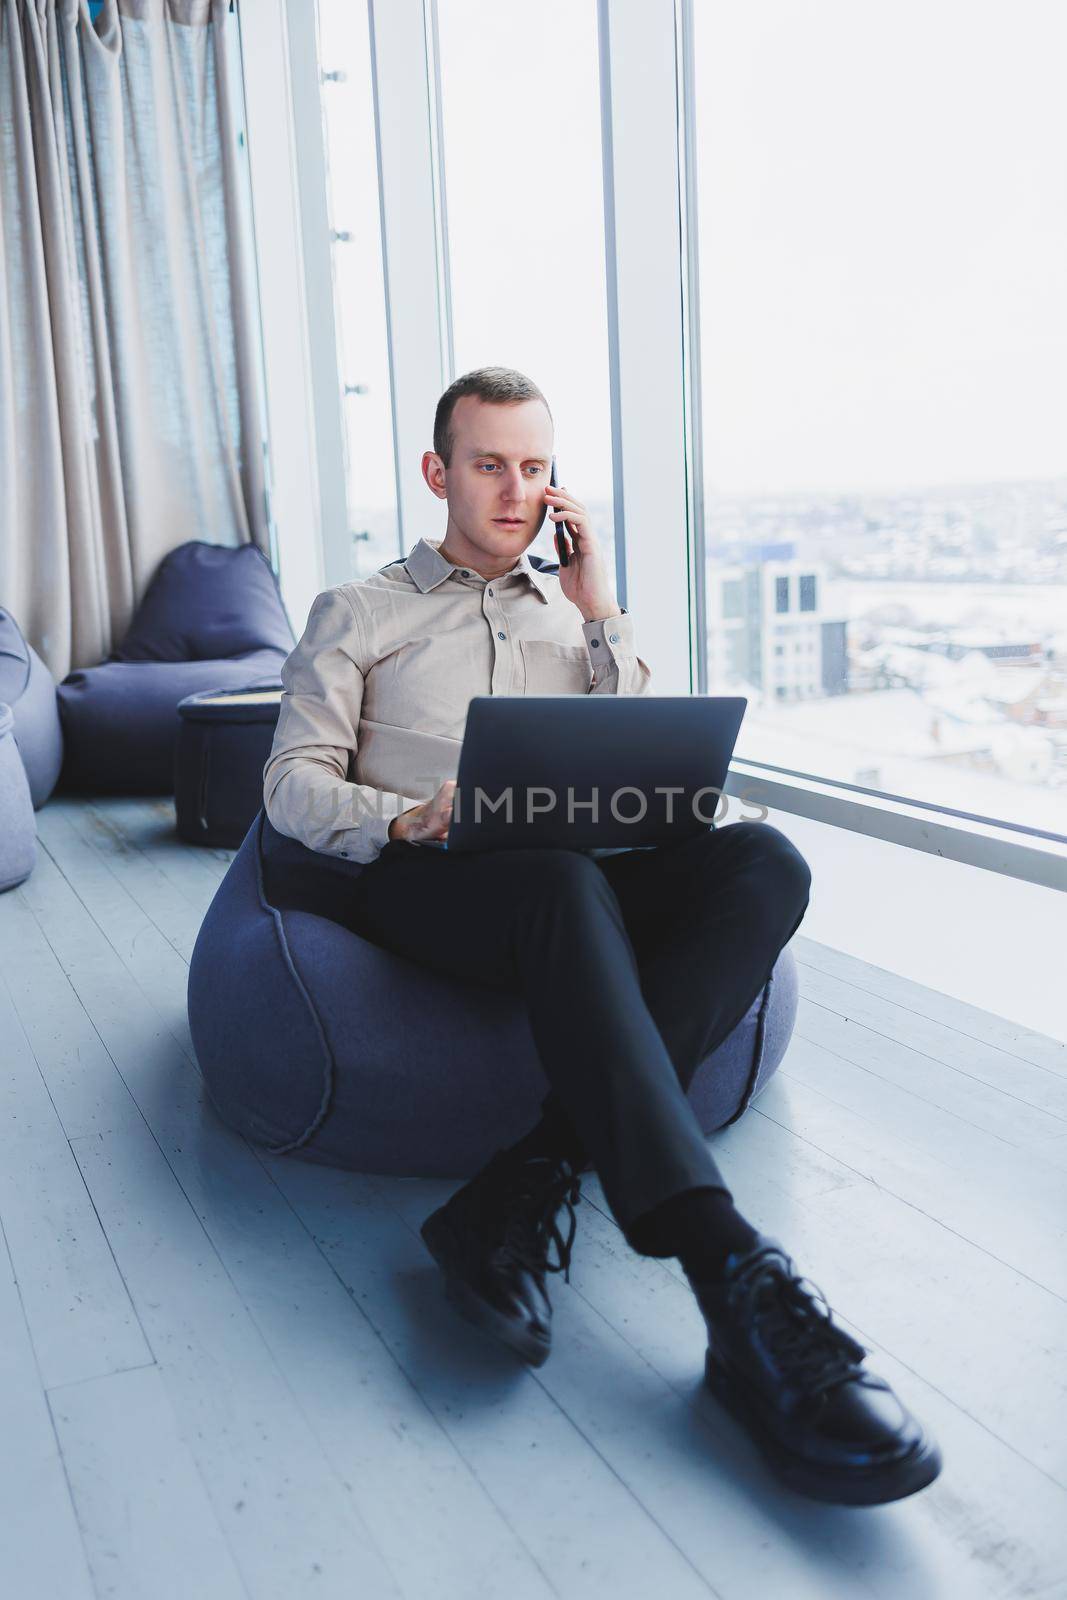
{"x":306,"y":791}
{"x":617,"y":668}
{"x":368,"y":840}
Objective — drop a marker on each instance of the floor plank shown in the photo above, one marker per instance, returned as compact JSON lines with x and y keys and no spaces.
{"x":986,"y":1337}
{"x":370,"y":1422}
{"x":41,"y":1552}
{"x":931,"y":1083}
{"x":83,"y":1084}
{"x":931,"y":1004}
{"x":1040,"y":1083}
{"x":989,"y":1526}
{"x":390,"y":1451}
{"x":548,"y":1477}
{"x":262,"y":1345}
{"x":252,"y":1446}
{"x":293,"y":1526}
{"x":149,"y":829}
{"x":76,"y":1305}
{"x":149,"y":1525}
{"x":649,"y":1433}
{"x":932,"y":1157}
{"x":73,"y":881}
{"x":175,"y":910}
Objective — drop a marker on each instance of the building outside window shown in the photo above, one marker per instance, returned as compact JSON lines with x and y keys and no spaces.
{"x":883,"y":351}
{"x":733,"y":599}
{"x":884,"y":358}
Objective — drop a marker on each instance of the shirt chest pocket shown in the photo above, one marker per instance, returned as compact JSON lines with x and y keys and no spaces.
{"x":551,"y":668}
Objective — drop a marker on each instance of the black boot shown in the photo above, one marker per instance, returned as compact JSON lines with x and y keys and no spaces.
{"x":794,"y":1380}
{"x":492,"y":1239}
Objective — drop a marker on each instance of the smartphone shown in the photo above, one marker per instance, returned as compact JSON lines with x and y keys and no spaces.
{"x":558,"y":527}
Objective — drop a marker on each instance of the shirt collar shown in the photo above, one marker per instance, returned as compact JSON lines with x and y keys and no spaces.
{"x":427,"y":568}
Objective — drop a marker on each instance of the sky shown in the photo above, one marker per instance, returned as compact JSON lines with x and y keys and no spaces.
{"x":882,"y":221}
{"x":883,"y":241}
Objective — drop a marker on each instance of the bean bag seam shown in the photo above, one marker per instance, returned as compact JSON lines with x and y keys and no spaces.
{"x":757,"y":1054}
{"x":25,"y":659}
{"x":287,"y":957}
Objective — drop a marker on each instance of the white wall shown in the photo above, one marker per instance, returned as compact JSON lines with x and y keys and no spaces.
{"x":993,"y":941}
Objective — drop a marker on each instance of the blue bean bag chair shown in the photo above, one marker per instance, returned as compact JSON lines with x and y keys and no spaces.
{"x":212,"y":618}
{"x":18,"y":832}
{"x":27,"y":686}
{"x":285,"y":1005}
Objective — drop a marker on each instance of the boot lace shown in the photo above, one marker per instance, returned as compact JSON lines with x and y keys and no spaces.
{"x":532,"y":1194}
{"x":796,"y":1324}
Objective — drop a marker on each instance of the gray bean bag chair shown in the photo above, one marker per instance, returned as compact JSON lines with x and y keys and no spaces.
{"x":18,"y":832}
{"x":212,"y":618}
{"x":284,"y":1005}
{"x":121,"y":722}
{"x":27,"y":686}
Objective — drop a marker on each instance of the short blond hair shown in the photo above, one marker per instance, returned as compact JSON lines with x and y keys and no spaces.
{"x":500,"y":386}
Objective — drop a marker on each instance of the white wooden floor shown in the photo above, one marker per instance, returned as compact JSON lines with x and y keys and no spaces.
{"x":225,"y":1375}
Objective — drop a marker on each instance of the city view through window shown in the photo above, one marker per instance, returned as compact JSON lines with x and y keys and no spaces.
{"x":883,"y":344}
{"x":883,"y":247}
{"x":912,"y":642}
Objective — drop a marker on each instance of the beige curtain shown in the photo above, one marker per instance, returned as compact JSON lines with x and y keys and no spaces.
{"x":129,"y":393}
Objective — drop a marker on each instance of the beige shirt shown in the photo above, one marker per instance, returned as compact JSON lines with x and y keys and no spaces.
{"x":376,"y":692}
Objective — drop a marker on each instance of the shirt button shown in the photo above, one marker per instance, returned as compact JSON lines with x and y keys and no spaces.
{"x":464,"y":573}
{"x":501,"y":635}
{"x":594,"y":644}
{"x":613,"y":638}
{"x":490,"y":591}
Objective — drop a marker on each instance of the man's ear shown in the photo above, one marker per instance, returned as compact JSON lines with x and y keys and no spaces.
{"x":433,"y":470}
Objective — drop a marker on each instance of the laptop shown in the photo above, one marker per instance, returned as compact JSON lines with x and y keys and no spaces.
{"x":591,"y":772}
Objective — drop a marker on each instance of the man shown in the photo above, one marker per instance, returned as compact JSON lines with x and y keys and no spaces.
{"x":633,"y":965}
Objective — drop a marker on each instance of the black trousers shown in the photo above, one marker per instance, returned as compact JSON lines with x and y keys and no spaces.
{"x":632,"y":967}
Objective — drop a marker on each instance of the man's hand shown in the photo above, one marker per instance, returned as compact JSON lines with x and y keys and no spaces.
{"x":585,"y":579}
{"x":428,"y":821}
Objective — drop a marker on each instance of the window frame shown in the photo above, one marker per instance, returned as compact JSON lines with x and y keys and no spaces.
{"x":649,"y":156}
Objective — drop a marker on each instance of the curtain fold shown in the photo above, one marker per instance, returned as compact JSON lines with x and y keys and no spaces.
{"x":130,"y":416}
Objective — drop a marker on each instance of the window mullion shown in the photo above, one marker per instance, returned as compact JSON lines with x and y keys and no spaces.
{"x":643,"y":242}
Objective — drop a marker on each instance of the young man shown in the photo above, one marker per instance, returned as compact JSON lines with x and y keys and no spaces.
{"x":633,"y":966}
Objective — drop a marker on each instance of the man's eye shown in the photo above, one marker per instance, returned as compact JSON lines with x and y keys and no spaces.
{"x":490,"y":464}
{"x":537,"y":469}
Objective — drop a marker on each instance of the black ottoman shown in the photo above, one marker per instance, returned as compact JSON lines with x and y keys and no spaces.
{"x":224,"y":740}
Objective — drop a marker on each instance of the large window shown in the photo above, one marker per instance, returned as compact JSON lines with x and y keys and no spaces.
{"x":883,"y":243}
{"x":359,"y":289}
{"x":520,"y":99}
{"x":882,"y":358}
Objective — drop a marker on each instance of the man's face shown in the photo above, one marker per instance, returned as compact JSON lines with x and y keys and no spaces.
{"x":495,"y":481}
